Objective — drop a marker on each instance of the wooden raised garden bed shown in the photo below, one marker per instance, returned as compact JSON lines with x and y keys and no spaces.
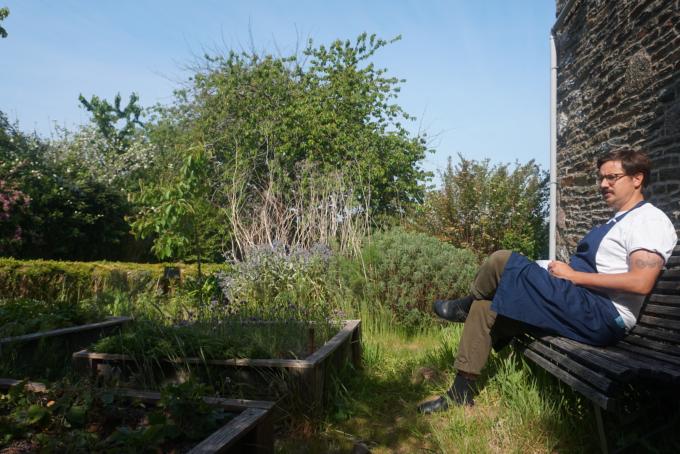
{"x":307,"y":378}
{"x":250,"y":431}
{"x":31,"y":352}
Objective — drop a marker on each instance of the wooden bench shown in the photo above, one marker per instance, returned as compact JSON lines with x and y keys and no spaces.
{"x":649,"y":354}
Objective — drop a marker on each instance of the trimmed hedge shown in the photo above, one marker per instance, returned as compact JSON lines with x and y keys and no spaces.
{"x":47,"y":280}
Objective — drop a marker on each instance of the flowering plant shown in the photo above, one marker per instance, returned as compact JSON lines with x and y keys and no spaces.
{"x":13,"y":207}
{"x":280,"y":282}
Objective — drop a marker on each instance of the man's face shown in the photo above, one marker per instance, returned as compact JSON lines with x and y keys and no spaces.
{"x":616,"y":187}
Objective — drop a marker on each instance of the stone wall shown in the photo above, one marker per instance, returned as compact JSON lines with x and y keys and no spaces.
{"x":618,"y":84}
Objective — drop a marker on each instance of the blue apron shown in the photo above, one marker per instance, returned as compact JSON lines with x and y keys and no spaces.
{"x":530,"y":294}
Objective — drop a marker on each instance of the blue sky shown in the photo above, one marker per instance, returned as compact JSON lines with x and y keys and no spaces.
{"x":477,"y":71}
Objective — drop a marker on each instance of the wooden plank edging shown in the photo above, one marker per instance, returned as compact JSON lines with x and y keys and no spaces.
{"x":330,"y":346}
{"x":112,"y":321}
{"x":225,"y":437}
{"x":229,"y":404}
{"x":308,"y":363}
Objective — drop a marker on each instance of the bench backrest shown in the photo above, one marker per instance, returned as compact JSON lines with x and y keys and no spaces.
{"x":658,"y":326}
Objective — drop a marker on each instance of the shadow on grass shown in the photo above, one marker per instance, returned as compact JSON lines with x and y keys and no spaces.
{"x":521,"y":408}
{"x":375,"y":406}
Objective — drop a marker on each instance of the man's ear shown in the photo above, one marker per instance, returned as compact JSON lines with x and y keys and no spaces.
{"x":638,"y":179}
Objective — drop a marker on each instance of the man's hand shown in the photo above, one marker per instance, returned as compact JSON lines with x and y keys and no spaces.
{"x":644,"y":268}
{"x":561,"y":270}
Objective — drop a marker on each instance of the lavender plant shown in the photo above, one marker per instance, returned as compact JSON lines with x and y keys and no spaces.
{"x":279,"y":282}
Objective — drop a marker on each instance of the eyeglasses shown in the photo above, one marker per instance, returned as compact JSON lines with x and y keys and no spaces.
{"x":610,"y":177}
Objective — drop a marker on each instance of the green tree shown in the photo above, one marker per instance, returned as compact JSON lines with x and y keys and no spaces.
{"x":334,"y":107}
{"x":259,"y":117}
{"x":174,"y":211}
{"x":107,"y":116}
{"x":4,"y":12}
{"x":108,"y":155}
{"x":487,"y":207}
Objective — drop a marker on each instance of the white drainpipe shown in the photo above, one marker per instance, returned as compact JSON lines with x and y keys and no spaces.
{"x":552,"y":244}
{"x":552,"y":238}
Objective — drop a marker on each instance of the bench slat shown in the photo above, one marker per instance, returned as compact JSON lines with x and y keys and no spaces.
{"x":660,"y":322}
{"x":653,"y":345}
{"x":670,"y":275}
{"x":633,"y":364}
{"x":673,"y":261}
{"x":669,"y":299}
{"x":659,"y":309}
{"x":637,"y":365}
{"x":591,"y":393}
{"x":648,"y":366}
{"x":585,"y":354}
{"x":625,"y":345}
{"x":667,"y":285}
{"x":659,"y":334}
{"x":595,"y":379}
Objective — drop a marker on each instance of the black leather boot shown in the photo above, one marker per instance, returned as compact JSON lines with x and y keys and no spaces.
{"x":453,"y":310}
{"x":460,"y":393}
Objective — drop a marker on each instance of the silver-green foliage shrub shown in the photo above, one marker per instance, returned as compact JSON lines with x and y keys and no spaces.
{"x":279,"y":282}
{"x":407,"y":271}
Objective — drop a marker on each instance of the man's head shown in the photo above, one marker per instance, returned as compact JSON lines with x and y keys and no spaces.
{"x":622,"y":174}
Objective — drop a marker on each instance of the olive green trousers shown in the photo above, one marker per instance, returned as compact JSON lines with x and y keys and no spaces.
{"x":483,"y":327}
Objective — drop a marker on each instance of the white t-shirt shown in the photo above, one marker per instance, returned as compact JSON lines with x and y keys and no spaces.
{"x":646,"y":228}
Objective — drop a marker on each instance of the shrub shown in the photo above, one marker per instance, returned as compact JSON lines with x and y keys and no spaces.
{"x":486,"y":207}
{"x":51,"y":209}
{"x":407,"y":271}
{"x":279,"y":282}
{"x":13,"y":208}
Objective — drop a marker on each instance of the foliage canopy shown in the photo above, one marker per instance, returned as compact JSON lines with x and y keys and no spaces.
{"x":486,"y":207}
{"x":4,"y":12}
{"x":56,"y":211}
{"x":255,"y":119}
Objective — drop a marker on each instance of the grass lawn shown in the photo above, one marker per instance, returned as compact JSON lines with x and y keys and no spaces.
{"x":518,"y":410}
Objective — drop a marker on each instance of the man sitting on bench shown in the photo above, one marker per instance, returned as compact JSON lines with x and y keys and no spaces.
{"x":595,"y":299}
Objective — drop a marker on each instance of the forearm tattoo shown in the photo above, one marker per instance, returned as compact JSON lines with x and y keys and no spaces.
{"x":649,"y":262}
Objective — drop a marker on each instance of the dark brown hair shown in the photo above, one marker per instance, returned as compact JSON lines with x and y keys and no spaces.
{"x":632,"y":162}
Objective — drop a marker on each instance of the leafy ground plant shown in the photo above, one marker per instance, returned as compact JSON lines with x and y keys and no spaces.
{"x":76,"y":417}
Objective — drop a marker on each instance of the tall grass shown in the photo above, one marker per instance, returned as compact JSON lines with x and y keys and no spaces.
{"x":313,"y":207}
{"x":519,"y":409}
